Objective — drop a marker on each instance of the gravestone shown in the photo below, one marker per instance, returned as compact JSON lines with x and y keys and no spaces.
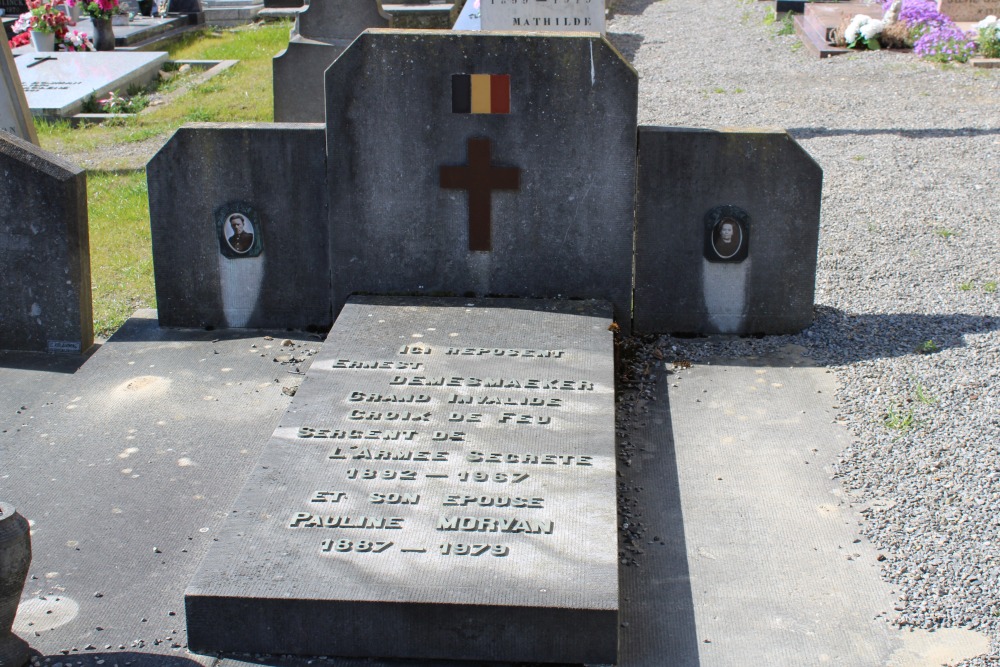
{"x":442,"y":487}
{"x":469,"y":18}
{"x":15,"y":117}
{"x":969,"y":10}
{"x":268,"y":180}
{"x":482,"y":164}
{"x":324,"y":30}
{"x":586,"y":16}
{"x":44,"y":251}
{"x":57,"y":84}
{"x":727,"y":229}
{"x":13,"y":7}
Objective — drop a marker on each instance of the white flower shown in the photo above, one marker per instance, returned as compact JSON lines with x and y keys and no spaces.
{"x":851,"y":33}
{"x":988,"y":22}
{"x":872,"y":29}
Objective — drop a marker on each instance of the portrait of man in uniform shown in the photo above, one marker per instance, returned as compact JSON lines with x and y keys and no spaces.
{"x":239,"y":233}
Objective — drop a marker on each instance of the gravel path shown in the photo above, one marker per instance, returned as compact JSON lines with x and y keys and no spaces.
{"x":908,"y":254}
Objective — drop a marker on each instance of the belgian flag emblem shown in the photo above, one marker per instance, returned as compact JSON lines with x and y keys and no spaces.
{"x":480,"y":93}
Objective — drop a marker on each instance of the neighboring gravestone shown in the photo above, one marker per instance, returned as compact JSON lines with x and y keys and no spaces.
{"x":325,"y":29}
{"x":44,"y":251}
{"x":727,"y":232}
{"x":442,"y":486}
{"x":969,"y":10}
{"x":482,"y":164}
{"x":13,"y":7}
{"x":575,"y":16}
{"x":58,"y":83}
{"x":238,"y":215}
{"x":15,"y":117}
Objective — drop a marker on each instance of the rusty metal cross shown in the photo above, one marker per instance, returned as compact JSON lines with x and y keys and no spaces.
{"x":480,"y":179}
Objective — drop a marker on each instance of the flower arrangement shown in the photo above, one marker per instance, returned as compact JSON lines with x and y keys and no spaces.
{"x":935,"y":36}
{"x":863,"y":30}
{"x":21,"y":39}
{"x":989,"y":37}
{"x":42,"y":17}
{"x":74,"y":40}
{"x":97,"y":9}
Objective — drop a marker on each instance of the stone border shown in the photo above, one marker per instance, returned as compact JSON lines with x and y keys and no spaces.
{"x":213,"y":68}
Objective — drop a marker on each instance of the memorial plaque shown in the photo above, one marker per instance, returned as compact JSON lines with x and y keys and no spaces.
{"x":13,"y":7}
{"x":544,"y":15}
{"x":15,"y":117}
{"x":442,"y":487}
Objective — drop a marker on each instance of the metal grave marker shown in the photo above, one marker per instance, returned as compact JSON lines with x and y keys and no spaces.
{"x":441,"y":487}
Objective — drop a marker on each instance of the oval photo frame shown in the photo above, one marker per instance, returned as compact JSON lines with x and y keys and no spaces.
{"x":238,"y":228}
{"x":727,"y":234}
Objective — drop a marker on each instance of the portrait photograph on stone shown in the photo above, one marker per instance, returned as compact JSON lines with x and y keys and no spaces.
{"x":493,"y":333}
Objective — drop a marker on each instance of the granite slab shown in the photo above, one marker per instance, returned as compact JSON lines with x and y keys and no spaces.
{"x":442,"y":486}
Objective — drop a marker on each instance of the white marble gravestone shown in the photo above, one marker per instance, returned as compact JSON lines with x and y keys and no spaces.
{"x":57,"y":84}
{"x":15,"y":117}
{"x":544,"y":15}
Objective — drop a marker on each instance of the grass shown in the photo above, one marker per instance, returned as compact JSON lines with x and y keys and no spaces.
{"x":121,"y":254}
{"x":898,"y":419}
{"x":945,"y":233}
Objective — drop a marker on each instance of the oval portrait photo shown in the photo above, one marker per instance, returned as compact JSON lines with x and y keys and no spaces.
{"x":727,"y":237}
{"x":239,"y":233}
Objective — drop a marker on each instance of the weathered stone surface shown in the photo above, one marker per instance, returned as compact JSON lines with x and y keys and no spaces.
{"x":546,"y":16}
{"x":15,"y":117}
{"x":272,"y":174}
{"x":564,"y":231}
{"x":969,"y":10}
{"x":686,"y":174}
{"x":482,"y":517}
{"x":325,"y":29}
{"x":44,"y":251}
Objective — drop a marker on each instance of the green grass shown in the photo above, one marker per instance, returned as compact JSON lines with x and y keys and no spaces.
{"x":945,"y":233}
{"x":121,"y":258}
{"x":898,"y":419}
{"x":121,"y":254}
{"x":990,"y":286}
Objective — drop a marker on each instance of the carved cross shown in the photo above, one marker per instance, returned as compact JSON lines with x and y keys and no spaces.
{"x":480,"y":179}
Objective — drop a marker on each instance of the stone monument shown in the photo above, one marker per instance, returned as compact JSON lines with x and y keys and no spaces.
{"x":44,"y":251}
{"x":15,"y":558}
{"x":577,"y":16}
{"x":322,"y":33}
{"x":442,"y":487}
{"x":969,"y":10}
{"x":15,"y":117}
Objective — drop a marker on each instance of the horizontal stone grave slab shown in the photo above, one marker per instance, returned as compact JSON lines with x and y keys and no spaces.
{"x":139,"y":29}
{"x":57,"y":84}
{"x":442,"y":486}
{"x":969,"y":10}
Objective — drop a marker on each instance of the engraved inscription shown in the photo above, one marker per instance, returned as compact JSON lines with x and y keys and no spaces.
{"x":307,"y":520}
{"x":495,"y":477}
{"x":494,"y":501}
{"x":465,"y":399}
{"x":492,"y":383}
{"x":328,"y":497}
{"x":368,"y":473}
{"x":394,"y":498}
{"x":364,"y":454}
{"x":500,"y":352}
{"x":531,"y":459}
{"x":498,"y":550}
{"x":374,"y":415}
{"x":379,"y":365}
{"x":361,"y":546}
{"x":489,"y":524}
{"x":360,"y":396}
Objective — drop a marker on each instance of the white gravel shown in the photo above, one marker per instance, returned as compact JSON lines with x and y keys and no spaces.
{"x":908,"y":254}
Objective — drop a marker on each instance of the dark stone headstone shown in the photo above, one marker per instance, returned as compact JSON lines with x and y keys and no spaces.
{"x":44,"y":251}
{"x":13,"y":7}
{"x":265,"y":179}
{"x":325,"y":29}
{"x":726,"y":233}
{"x":442,"y":486}
{"x":518,"y":181}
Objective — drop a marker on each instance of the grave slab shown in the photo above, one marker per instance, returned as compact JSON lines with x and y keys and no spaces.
{"x":469,"y":18}
{"x":543,"y":16}
{"x":139,"y":29}
{"x":969,"y":10}
{"x":44,"y":251}
{"x":269,"y":174}
{"x":442,"y":487}
{"x":15,"y":117}
{"x":511,"y":159}
{"x":693,"y":185}
{"x":57,"y":84}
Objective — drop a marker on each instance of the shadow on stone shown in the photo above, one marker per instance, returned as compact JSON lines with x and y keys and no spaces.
{"x":132,"y":658}
{"x":45,"y":362}
{"x":929,"y":133}
{"x":657,"y":607}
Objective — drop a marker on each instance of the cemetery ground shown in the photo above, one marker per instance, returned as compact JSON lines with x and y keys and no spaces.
{"x":897,"y":457}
